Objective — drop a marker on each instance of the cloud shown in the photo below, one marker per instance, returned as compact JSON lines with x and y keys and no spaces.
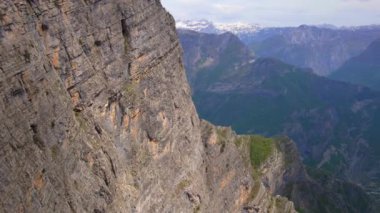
{"x":228,"y":8}
{"x":278,"y":12}
{"x":358,"y":0}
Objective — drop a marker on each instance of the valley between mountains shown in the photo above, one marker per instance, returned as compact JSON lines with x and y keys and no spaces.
{"x":334,"y":124}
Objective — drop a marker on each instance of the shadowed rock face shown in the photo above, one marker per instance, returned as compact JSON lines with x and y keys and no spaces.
{"x":97,"y":115}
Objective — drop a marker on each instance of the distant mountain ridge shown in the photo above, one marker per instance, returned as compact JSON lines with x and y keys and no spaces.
{"x":207,"y":52}
{"x":323,"y":48}
{"x":205,"y":26}
{"x":363,"y":69}
{"x":238,"y":28}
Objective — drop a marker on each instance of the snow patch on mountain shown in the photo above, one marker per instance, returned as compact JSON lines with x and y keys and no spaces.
{"x":205,"y":26}
{"x":238,"y":28}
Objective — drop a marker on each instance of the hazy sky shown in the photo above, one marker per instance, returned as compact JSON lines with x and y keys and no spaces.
{"x":278,"y":12}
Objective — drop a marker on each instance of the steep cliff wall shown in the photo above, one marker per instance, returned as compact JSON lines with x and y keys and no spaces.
{"x":97,"y":114}
{"x":231,"y":174}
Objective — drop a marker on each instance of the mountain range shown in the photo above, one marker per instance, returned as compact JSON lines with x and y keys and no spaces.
{"x":334,"y":124}
{"x":322,"y":48}
{"x":205,"y":26}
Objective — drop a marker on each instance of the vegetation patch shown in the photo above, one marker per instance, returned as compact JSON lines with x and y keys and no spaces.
{"x":222,"y":138}
{"x":260,"y":149}
{"x":182,"y":185}
{"x":81,"y":120}
{"x":54,"y":151}
{"x":130,"y":93}
{"x":255,"y":189}
{"x":197,"y":209}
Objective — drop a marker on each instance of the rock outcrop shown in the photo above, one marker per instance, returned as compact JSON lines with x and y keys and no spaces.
{"x":231,"y":174}
{"x":97,"y":116}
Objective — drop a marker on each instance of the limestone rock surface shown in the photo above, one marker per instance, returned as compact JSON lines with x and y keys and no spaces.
{"x":96,"y":115}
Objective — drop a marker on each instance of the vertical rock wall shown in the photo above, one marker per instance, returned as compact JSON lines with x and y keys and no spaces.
{"x":96,"y":113}
{"x":96,"y":110}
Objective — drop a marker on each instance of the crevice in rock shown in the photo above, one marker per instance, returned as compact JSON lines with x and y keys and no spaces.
{"x":109,"y":39}
{"x":98,"y":129}
{"x":129,"y":69}
{"x":195,"y":199}
{"x":36,"y":138}
{"x":101,"y":173}
{"x":34,"y":128}
{"x":112,"y":99}
{"x":78,"y":108}
{"x":126,"y":34}
{"x":44,"y":27}
{"x":105,"y":194}
{"x":113,"y":169}
{"x":31,"y":2}
{"x":99,"y":211}
{"x":26,"y":56}
{"x":17,"y":92}
{"x":98,"y":43}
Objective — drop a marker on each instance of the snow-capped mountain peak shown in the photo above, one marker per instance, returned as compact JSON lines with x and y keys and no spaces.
{"x":197,"y":25}
{"x":209,"y":27}
{"x":238,"y":27}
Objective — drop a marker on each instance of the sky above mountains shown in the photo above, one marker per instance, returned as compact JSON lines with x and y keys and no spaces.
{"x":278,"y":12}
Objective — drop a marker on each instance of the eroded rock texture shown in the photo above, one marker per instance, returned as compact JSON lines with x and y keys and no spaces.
{"x":96,"y":114}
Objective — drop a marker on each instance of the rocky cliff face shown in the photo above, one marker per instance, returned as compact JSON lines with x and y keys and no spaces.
{"x":258,"y":187}
{"x":97,"y":115}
